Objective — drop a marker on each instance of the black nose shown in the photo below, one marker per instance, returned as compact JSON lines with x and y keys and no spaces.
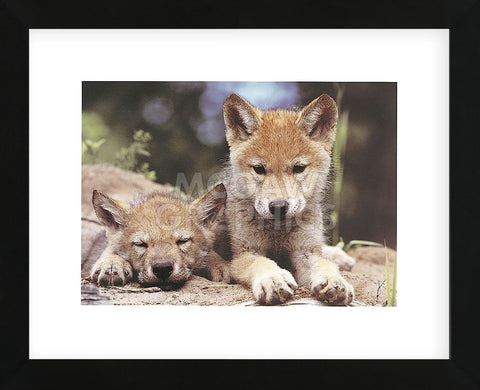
{"x":162,"y":269}
{"x":278,"y":207}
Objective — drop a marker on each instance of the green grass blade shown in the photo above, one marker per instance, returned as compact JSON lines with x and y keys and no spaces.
{"x":394,"y":292}
{"x":389,"y":303}
{"x":339,"y":148}
{"x":340,"y":243}
{"x":360,"y":242}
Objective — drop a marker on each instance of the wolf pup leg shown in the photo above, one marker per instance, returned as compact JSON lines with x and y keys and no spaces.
{"x":338,"y":256}
{"x":217,"y":268}
{"x":327,"y":284}
{"x":269,"y":283}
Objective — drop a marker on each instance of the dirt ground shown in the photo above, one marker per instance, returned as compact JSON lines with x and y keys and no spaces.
{"x":367,"y":277}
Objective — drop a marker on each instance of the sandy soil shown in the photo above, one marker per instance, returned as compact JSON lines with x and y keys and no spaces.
{"x":367,"y":277}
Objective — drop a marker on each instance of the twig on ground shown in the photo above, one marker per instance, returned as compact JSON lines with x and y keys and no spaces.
{"x":378,"y":289}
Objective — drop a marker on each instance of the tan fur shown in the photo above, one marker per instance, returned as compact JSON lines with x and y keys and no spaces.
{"x":159,"y":229}
{"x":279,"y":162}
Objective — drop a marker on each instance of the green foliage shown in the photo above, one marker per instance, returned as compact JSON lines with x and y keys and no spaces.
{"x":387,"y":267}
{"x":128,"y":157}
{"x":338,"y":155}
{"x":93,"y":126}
{"x":346,"y":247}
{"x":90,"y":150}
{"x":391,"y":293}
{"x":94,"y":131}
{"x":395,"y":281}
{"x":391,"y":297}
{"x":94,"y":138}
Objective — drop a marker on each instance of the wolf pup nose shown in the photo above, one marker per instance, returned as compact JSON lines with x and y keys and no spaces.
{"x":278,"y":208}
{"x":162,"y":269}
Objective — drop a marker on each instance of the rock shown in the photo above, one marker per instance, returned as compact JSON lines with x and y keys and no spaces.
{"x":91,"y":296}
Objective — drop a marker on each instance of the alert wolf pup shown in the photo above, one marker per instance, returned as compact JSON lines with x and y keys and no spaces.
{"x":279,"y":162}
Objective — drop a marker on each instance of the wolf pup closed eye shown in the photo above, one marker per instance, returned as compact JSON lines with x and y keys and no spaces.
{"x":159,"y":239}
{"x":279,"y":162}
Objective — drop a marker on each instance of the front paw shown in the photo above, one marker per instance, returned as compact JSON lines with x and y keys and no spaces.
{"x":274,"y":288}
{"x":220,"y":271}
{"x":332,"y":289}
{"x":338,"y":256}
{"x":111,"y":271}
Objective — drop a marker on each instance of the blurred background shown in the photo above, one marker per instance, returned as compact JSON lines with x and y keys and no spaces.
{"x":183,"y":140}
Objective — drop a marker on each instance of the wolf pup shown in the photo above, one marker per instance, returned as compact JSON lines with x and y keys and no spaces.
{"x":159,"y":239}
{"x":279,"y":162}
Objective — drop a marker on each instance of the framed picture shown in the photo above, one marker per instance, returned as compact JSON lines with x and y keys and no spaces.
{"x":179,"y":142}
{"x":167,"y":58}
{"x":432,"y":319}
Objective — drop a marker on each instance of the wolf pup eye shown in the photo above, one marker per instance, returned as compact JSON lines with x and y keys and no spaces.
{"x":259,"y":169}
{"x":141,"y":244}
{"x":298,"y":168}
{"x":182,"y":240}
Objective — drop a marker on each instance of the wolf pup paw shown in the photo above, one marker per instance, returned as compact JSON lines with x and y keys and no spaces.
{"x":276,"y":288}
{"x":111,"y":271}
{"x":218,"y":269}
{"x":332,"y":290}
{"x":220,"y":272}
{"x":338,"y":256}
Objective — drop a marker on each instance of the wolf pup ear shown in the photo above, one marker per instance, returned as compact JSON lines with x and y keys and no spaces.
{"x":210,"y":205}
{"x":240,"y":117}
{"x":319,"y":119}
{"x":110,"y":213}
